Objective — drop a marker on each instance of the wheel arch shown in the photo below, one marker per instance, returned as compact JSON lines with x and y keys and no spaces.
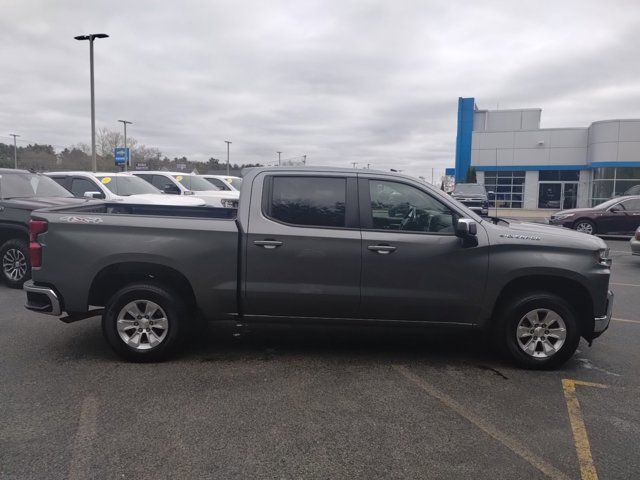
{"x":115,"y":276}
{"x":590,"y":220}
{"x":11,"y":231}
{"x":569,"y":289}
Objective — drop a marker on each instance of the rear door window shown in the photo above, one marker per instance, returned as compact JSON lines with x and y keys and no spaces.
{"x":308,"y":201}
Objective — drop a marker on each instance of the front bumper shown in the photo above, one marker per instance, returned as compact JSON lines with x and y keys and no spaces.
{"x":600,"y":324}
{"x":42,"y":299}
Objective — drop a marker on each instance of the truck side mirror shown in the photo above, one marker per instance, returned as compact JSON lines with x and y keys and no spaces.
{"x":466,"y":228}
{"x":171,"y":189}
{"x":93,"y":195}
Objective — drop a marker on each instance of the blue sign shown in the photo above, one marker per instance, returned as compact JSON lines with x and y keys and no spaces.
{"x":450,"y":172}
{"x":121,"y":155}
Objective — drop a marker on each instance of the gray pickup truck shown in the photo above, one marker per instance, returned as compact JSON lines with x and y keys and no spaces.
{"x":321,"y":245}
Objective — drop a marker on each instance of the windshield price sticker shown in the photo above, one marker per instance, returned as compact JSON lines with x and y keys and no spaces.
{"x":106,"y":180}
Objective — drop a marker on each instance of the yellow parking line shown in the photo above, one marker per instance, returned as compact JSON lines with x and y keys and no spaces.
{"x":583,"y":449}
{"x":509,"y":442}
{"x":625,"y":320}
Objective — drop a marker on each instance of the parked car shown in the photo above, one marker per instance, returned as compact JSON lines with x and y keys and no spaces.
{"x":22,"y":192}
{"x":118,"y":187}
{"x":618,"y":216}
{"x":176,"y":183}
{"x":320,"y":245}
{"x":224,"y":182}
{"x":473,"y":195}
{"x":635,"y":242}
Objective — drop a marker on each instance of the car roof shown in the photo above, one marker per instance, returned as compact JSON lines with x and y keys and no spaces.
{"x":160,"y":172}
{"x":94,"y":174}
{"x":13,"y":170}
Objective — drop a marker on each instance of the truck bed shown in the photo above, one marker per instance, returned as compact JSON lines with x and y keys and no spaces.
{"x":82,"y":244}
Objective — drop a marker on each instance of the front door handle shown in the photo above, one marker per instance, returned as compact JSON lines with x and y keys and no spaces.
{"x":268,"y":244}
{"x":382,"y":249}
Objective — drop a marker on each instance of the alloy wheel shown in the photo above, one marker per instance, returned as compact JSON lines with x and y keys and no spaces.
{"x":142,"y":324}
{"x":585,"y":227}
{"x":14,"y":264}
{"x":541,"y":333}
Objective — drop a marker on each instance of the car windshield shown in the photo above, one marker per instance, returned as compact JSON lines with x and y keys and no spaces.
{"x":25,"y":185}
{"x":127,"y":185}
{"x":607,"y":204}
{"x":195,"y":183}
{"x":469,"y":189}
{"x":235,"y":182}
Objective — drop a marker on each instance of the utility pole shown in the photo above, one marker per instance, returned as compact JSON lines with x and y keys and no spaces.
{"x":125,"y":122}
{"x":368,"y":166}
{"x":279,"y":153}
{"x":304,"y":159}
{"x":91,"y":38}
{"x":15,"y":151}
{"x":431,"y":175}
{"x":354,"y":164}
{"x":228,"y":143}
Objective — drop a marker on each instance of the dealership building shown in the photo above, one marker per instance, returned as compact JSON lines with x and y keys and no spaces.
{"x":553,"y":168}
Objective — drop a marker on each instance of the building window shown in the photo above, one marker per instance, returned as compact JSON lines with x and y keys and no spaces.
{"x":609,"y":182}
{"x":558,"y":175}
{"x":507,"y":188}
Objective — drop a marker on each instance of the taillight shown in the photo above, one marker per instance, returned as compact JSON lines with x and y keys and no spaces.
{"x":36,"y":227}
{"x":638,"y":234}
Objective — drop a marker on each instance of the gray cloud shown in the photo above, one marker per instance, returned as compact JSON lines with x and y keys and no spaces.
{"x":341,"y":81}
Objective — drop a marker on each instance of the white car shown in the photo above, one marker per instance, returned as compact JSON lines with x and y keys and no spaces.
{"x":178,"y":183}
{"x":118,"y":187}
{"x":224,"y":182}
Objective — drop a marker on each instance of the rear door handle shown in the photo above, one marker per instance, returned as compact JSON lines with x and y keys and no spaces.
{"x":268,"y":244}
{"x":382,"y":249}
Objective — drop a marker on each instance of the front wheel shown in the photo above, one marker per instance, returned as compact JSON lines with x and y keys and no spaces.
{"x":144,"y":322}
{"x":585,"y":226}
{"x":539,"y":330}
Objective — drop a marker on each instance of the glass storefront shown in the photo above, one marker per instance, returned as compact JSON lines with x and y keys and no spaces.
{"x":507,"y":188}
{"x":609,"y":182}
{"x":558,"y":189}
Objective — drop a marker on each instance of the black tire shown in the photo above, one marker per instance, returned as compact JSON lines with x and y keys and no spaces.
{"x":587,"y":224}
{"x":516,"y":309}
{"x":171,"y":305}
{"x":19,"y":250}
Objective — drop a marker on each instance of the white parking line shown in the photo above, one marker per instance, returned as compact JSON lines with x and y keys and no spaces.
{"x":625,"y":284}
{"x":625,"y":320}
{"x":82,"y":453}
{"x":509,"y":442}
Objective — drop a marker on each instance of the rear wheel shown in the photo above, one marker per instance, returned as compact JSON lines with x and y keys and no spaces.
{"x":16,"y":270}
{"x":585,"y":226}
{"x":539,"y":330}
{"x":144,"y":322}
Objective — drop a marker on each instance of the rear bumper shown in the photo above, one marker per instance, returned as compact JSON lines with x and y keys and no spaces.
{"x":600,"y":324}
{"x":42,"y":299}
{"x":635,"y":246}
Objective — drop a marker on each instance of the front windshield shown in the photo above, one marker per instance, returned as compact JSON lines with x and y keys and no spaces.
{"x":235,"y":182}
{"x":25,"y":185}
{"x":607,"y":204}
{"x":469,"y":189}
{"x":127,"y":185}
{"x":195,"y":183}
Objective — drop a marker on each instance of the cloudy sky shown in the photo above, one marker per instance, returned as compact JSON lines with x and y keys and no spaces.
{"x":341,"y":81}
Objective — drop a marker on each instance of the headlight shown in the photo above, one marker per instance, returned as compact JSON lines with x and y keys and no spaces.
{"x":603,"y":257}
{"x":561,"y":216}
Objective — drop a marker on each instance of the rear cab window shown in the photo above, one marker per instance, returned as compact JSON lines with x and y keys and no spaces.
{"x":306,"y":201}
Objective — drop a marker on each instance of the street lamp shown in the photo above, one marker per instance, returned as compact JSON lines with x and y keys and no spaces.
{"x":15,"y":151}
{"x":228,"y":143}
{"x":124,"y":123}
{"x":91,"y":38}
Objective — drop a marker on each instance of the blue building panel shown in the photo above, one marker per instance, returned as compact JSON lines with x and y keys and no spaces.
{"x":466,"y":108}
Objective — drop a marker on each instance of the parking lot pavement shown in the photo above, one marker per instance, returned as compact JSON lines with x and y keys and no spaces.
{"x":317,"y":403}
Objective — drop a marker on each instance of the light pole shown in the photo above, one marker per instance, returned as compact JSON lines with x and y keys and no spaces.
{"x":228,"y":143}
{"x":15,"y":151}
{"x":91,"y":38}
{"x":354,"y":164}
{"x":124,"y":123}
{"x":279,"y":153}
{"x":304,"y":159}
